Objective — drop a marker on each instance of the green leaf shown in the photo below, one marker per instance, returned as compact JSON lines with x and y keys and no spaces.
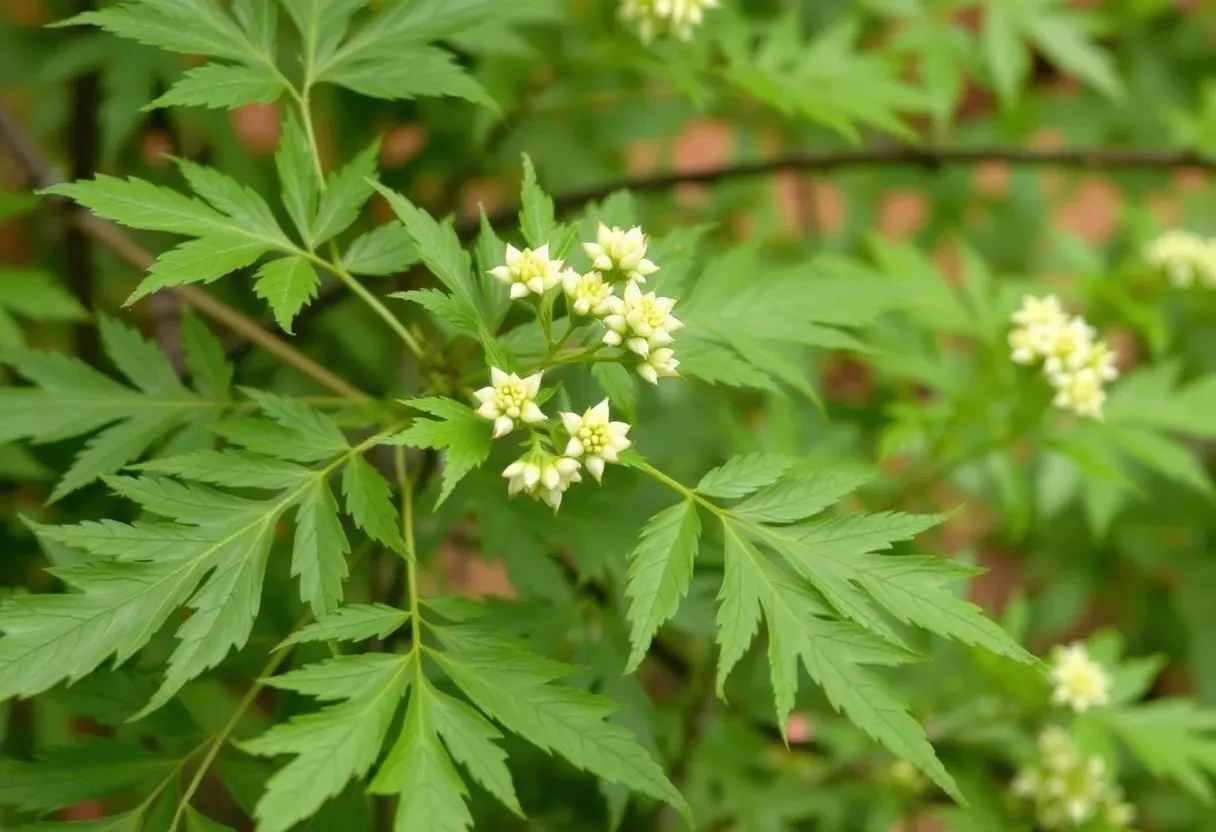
{"x":1007,"y":57}
{"x":834,"y":654}
{"x":209,"y":368}
{"x":537,"y":217}
{"x":415,"y":72}
{"x":320,"y":548}
{"x":221,"y":87}
{"x":1173,"y":738}
{"x":199,"y":261}
{"x":354,"y":622}
{"x":370,"y":502}
{"x":419,"y":769}
{"x":472,"y":742}
{"x":619,"y":385}
{"x":322,"y":435}
{"x":35,"y":295}
{"x":738,"y":606}
{"x":90,"y":769}
{"x":288,"y":285}
{"x":331,"y":746}
{"x":385,"y":250}
{"x":138,"y":204}
{"x":200,"y":27}
{"x":345,"y":195}
{"x":445,"y":307}
{"x":459,"y":431}
{"x":198,"y":822}
{"x":742,"y":475}
{"x":232,"y":468}
{"x":297,"y":176}
{"x":322,"y":24}
{"x":514,"y":689}
{"x":1063,"y":40}
{"x":1151,"y":397}
{"x":660,"y":568}
{"x":245,"y":208}
{"x":797,"y":499}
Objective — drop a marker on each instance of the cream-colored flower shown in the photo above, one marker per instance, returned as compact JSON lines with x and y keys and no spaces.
{"x":589,"y":293}
{"x":528,"y":271}
{"x":641,"y":322}
{"x":542,"y":476}
{"x":1067,"y":789}
{"x":659,"y":17}
{"x":1080,"y":391}
{"x":509,"y":398}
{"x":1183,"y":256}
{"x":1068,"y":347}
{"x":1045,"y":313}
{"x":594,"y":438}
{"x":1080,"y":682}
{"x":661,"y":363}
{"x":617,"y":252}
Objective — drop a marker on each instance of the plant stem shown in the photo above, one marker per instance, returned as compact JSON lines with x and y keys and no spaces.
{"x":411,"y":560}
{"x":370,"y":299}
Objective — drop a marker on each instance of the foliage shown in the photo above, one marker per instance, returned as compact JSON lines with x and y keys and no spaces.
{"x":722,"y":461}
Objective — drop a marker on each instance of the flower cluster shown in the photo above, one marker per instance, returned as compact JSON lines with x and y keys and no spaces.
{"x":1076,"y":363}
{"x":1070,"y":790}
{"x":1078,"y":681}
{"x":1184,"y":256}
{"x":659,"y":17}
{"x":593,"y":438}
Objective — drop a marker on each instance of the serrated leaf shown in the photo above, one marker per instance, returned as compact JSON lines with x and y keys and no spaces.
{"x":660,"y":568}
{"x":322,"y":23}
{"x":1007,"y":57}
{"x":515,"y":690}
{"x":219,"y":86}
{"x":370,"y":502}
{"x":198,"y":28}
{"x":297,"y":176}
{"x":413,"y":72}
{"x":459,"y":431}
{"x":198,"y":822}
{"x":331,"y":747}
{"x":199,"y":261}
{"x":35,"y":295}
{"x":738,"y":607}
{"x":537,"y":217}
{"x":354,"y":622}
{"x":796,"y":499}
{"x":742,"y":475}
{"x":209,"y":367}
{"x":1067,"y":45}
{"x":320,"y":432}
{"x":319,"y":551}
{"x":1173,"y":738}
{"x":341,"y":677}
{"x":345,"y":195}
{"x":385,"y":250}
{"x":472,"y":742}
{"x":90,"y":769}
{"x":288,"y":285}
{"x":419,"y":769}
{"x":243,"y":206}
{"x":445,"y":307}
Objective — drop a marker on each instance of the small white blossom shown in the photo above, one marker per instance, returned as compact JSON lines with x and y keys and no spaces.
{"x":1068,"y":347}
{"x":542,"y":476}
{"x":617,"y":251}
{"x":589,"y":293}
{"x":660,"y":363}
{"x":641,"y":321}
{"x":657,"y":17}
{"x":509,"y":398}
{"x":1069,"y":790}
{"x":1080,"y":682}
{"x":594,"y":438}
{"x":1183,"y":256}
{"x":1080,"y":391}
{"x":528,"y":271}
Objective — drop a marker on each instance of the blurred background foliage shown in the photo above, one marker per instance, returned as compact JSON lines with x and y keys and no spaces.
{"x":914,"y":138}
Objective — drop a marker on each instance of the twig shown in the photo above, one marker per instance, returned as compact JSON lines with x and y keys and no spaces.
{"x":40,"y":174}
{"x":1100,"y":158}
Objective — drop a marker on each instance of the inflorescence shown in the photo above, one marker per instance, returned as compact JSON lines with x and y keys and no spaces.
{"x":1078,"y":681}
{"x":1185,"y":257}
{"x":1070,"y":790}
{"x":1077,"y":365}
{"x":640,"y":324}
{"x":655,"y":18}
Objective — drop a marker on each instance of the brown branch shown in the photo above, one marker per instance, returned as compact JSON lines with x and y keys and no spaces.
{"x":1096,"y":158}
{"x":40,"y":174}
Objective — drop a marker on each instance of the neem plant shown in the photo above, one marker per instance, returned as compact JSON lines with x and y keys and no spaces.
{"x":569,"y":397}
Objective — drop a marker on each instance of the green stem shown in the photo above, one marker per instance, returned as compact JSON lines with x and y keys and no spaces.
{"x":367,"y":297}
{"x":411,"y":559}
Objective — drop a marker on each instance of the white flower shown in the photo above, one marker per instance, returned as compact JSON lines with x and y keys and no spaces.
{"x":1183,"y":256}
{"x":620,"y":251}
{"x":1068,"y":347}
{"x":1080,"y":682}
{"x":656,"y":17}
{"x":1067,"y":789}
{"x":1044,"y":312}
{"x":661,"y":362}
{"x":1080,"y":391}
{"x":529,"y":271}
{"x":589,"y":294}
{"x":641,"y":321}
{"x":542,"y":476}
{"x":594,"y":438}
{"x":509,"y":398}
